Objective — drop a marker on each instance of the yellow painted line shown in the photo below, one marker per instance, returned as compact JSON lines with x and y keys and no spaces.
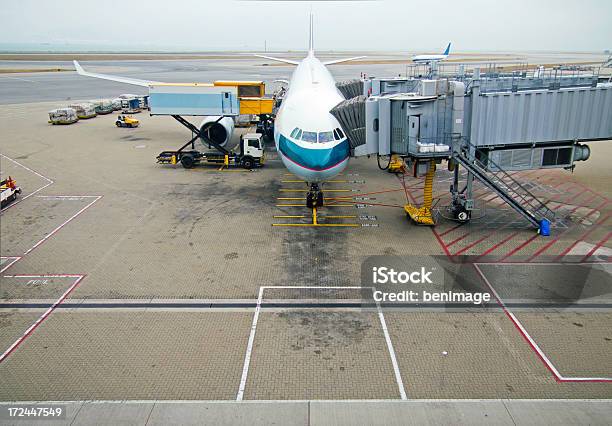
{"x":291,"y":174}
{"x":303,"y":181}
{"x":288,"y":216}
{"x":326,"y":199}
{"x":345,"y":225}
{"x":306,"y":190}
{"x":303,"y":205}
{"x":314,"y":215}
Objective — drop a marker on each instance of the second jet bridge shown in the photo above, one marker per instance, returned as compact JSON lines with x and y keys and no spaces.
{"x":489,"y":125}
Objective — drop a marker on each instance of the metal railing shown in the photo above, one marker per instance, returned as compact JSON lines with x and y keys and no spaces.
{"x":502,"y":183}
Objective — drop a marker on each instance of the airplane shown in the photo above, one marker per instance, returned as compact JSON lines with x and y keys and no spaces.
{"x":426,"y":59}
{"x":308,"y":138}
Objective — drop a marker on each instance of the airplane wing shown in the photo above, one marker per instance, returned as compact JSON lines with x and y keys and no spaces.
{"x":337,"y":61}
{"x":287,"y":61}
{"x":127,"y":80}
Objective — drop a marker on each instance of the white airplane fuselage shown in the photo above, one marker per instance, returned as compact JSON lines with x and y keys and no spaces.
{"x":426,"y":59}
{"x":309,"y":140}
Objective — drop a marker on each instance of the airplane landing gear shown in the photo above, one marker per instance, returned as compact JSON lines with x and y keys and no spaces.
{"x":314,"y":197}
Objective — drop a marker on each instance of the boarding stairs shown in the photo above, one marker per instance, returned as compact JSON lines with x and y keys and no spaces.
{"x":504,"y":185}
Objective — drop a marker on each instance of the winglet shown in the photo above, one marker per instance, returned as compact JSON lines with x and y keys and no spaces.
{"x":447,"y":51}
{"x":119,"y":79}
{"x":78,"y":67}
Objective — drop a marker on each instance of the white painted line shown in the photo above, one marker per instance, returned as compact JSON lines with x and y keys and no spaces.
{"x":538,"y":264}
{"x":27,"y":168}
{"x":15,"y":259}
{"x":313,"y":286}
{"x":249,"y":351}
{"x":46,"y":237}
{"x":69,"y":197}
{"x":19,"y":78}
{"x":45,"y":276}
{"x":49,"y":182}
{"x":44,"y":316}
{"x":247,"y":357}
{"x":558,"y":376}
{"x":396,"y":370}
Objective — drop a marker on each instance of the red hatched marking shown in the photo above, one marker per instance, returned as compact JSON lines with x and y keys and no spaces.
{"x":532,"y":343}
{"x":46,"y":314}
{"x":458,"y":239}
{"x":499,"y":244}
{"x":597,"y":246}
{"x":451,"y":229}
{"x":469,"y":246}
{"x":582,"y":237}
{"x":520,"y":247}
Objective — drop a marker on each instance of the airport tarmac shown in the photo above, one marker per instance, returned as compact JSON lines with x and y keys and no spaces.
{"x":126,"y":279}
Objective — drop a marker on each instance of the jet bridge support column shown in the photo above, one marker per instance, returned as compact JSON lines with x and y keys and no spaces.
{"x":462,"y":200}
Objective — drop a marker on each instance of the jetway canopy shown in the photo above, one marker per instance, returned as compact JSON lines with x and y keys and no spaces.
{"x":568,"y":114}
{"x":438,"y":115}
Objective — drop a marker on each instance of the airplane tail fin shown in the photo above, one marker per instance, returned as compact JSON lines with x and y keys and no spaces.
{"x":447,"y":51}
{"x":311,"y":36}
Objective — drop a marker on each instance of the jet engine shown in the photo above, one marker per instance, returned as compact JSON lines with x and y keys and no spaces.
{"x":218,"y":129}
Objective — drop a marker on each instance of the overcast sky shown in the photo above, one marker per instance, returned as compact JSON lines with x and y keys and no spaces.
{"x":407,"y":25}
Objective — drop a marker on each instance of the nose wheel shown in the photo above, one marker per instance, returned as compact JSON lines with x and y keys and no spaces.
{"x":314,"y":197}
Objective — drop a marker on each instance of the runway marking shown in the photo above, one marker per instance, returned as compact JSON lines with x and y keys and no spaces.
{"x":20,"y":79}
{"x":249,"y":350}
{"x":396,"y":370}
{"x":597,"y":246}
{"x":49,"y":182}
{"x":49,"y":235}
{"x":247,"y":357}
{"x":45,"y":314}
{"x":549,"y":365}
{"x":15,"y":259}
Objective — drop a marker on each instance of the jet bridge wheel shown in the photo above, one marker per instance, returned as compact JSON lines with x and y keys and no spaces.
{"x":461,"y":214}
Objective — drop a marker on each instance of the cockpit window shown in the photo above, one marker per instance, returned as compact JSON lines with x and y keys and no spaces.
{"x":309,"y":136}
{"x":294,"y":133}
{"x":339,"y":131}
{"x":299,"y":134}
{"x":326,"y":137}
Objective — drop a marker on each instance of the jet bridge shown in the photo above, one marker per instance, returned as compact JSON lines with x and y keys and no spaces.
{"x":489,"y":124}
